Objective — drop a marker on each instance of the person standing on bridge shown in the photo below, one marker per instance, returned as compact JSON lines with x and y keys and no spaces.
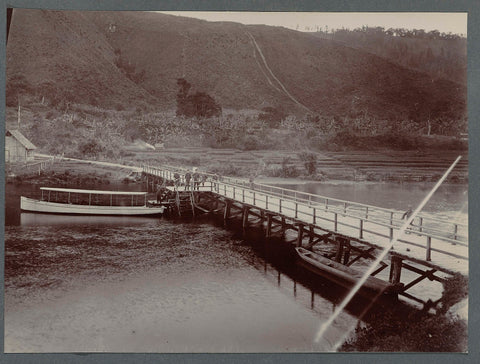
{"x":176,"y":180}
{"x":407,"y":214}
{"x":188,"y":177}
{"x":196,"y":180}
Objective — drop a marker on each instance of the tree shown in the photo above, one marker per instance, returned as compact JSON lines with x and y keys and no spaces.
{"x":309,"y":160}
{"x":199,"y":104}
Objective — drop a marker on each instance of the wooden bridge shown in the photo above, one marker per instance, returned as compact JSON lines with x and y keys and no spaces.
{"x":430,"y":245}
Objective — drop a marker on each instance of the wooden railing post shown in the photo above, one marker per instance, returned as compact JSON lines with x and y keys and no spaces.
{"x":429,"y":248}
{"x":266,"y":202}
{"x":361,"y":229}
{"x":314,"y":216}
{"x":335,"y":222}
{"x":391,"y":225}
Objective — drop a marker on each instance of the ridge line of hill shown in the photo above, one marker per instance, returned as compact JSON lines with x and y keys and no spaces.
{"x":273,"y":75}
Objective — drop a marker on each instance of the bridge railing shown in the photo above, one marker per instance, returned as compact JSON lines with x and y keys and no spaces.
{"x":455,"y":230}
{"x":339,"y":220}
{"x":354,"y":219}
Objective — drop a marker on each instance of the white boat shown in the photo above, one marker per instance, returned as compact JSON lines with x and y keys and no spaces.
{"x":90,"y":202}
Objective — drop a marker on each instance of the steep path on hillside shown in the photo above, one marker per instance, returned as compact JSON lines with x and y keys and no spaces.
{"x":272,"y":74}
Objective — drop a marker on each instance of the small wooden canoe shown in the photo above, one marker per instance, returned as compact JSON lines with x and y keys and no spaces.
{"x":342,"y":274}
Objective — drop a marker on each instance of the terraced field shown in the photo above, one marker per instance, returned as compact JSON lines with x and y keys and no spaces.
{"x":405,"y":165}
{"x":409,"y":166}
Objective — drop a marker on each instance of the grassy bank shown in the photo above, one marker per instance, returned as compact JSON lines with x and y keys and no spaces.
{"x":72,"y":173}
{"x":416,"y":331}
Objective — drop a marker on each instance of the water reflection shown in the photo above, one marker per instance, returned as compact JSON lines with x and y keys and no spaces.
{"x":39,"y":219}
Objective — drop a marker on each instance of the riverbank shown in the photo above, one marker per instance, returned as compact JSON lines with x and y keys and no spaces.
{"x":77,"y":172}
{"x":71,"y":170}
{"x":419,"y":331}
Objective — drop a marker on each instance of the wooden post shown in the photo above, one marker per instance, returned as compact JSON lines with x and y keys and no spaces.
{"x":391,"y":223}
{"x":335,"y":222}
{"x":266,"y":202}
{"x":280,"y":204}
{"x":268,"y":233}
{"x":361,"y":229}
{"x":284,"y":226}
{"x":300,"y":235}
{"x":346,"y":255}
{"x":312,"y":235}
{"x":245,"y":219}
{"x":429,"y":248}
{"x":226,"y":213}
{"x":314,"y":215}
{"x":395,"y":269}
{"x":296,"y":209}
{"x":338,"y":256}
{"x":420,"y":227}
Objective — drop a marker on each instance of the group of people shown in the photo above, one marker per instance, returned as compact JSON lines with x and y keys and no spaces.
{"x":195,"y":184}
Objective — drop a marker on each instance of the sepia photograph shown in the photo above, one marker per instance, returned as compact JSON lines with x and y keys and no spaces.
{"x":236,"y":182}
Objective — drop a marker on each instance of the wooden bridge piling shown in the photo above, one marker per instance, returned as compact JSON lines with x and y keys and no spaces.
{"x":395,"y":269}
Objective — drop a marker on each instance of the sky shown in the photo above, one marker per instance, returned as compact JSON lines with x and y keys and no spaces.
{"x":308,"y":21}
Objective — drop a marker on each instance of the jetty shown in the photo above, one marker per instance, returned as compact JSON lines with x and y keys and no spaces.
{"x":432,"y":248}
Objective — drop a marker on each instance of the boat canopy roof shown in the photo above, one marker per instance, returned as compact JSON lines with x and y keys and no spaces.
{"x":93,"y":192}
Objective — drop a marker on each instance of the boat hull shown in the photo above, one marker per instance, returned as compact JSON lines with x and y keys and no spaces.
{"x":32,"y":205}
{"x":343,"y":275}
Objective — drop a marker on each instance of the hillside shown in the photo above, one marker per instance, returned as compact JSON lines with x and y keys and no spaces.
{"x":437,"y":54}
{"x":128,"y":60}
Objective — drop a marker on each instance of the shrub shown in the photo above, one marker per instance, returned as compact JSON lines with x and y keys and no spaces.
{"x":91,"y":149}
{"x":309,"y":161}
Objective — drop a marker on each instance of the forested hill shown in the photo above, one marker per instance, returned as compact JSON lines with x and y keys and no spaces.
{"x":441,"y":55}
{"x":128,"y":60}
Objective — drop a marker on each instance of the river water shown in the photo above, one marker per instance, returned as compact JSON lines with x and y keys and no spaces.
{"x":117,"y":284}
